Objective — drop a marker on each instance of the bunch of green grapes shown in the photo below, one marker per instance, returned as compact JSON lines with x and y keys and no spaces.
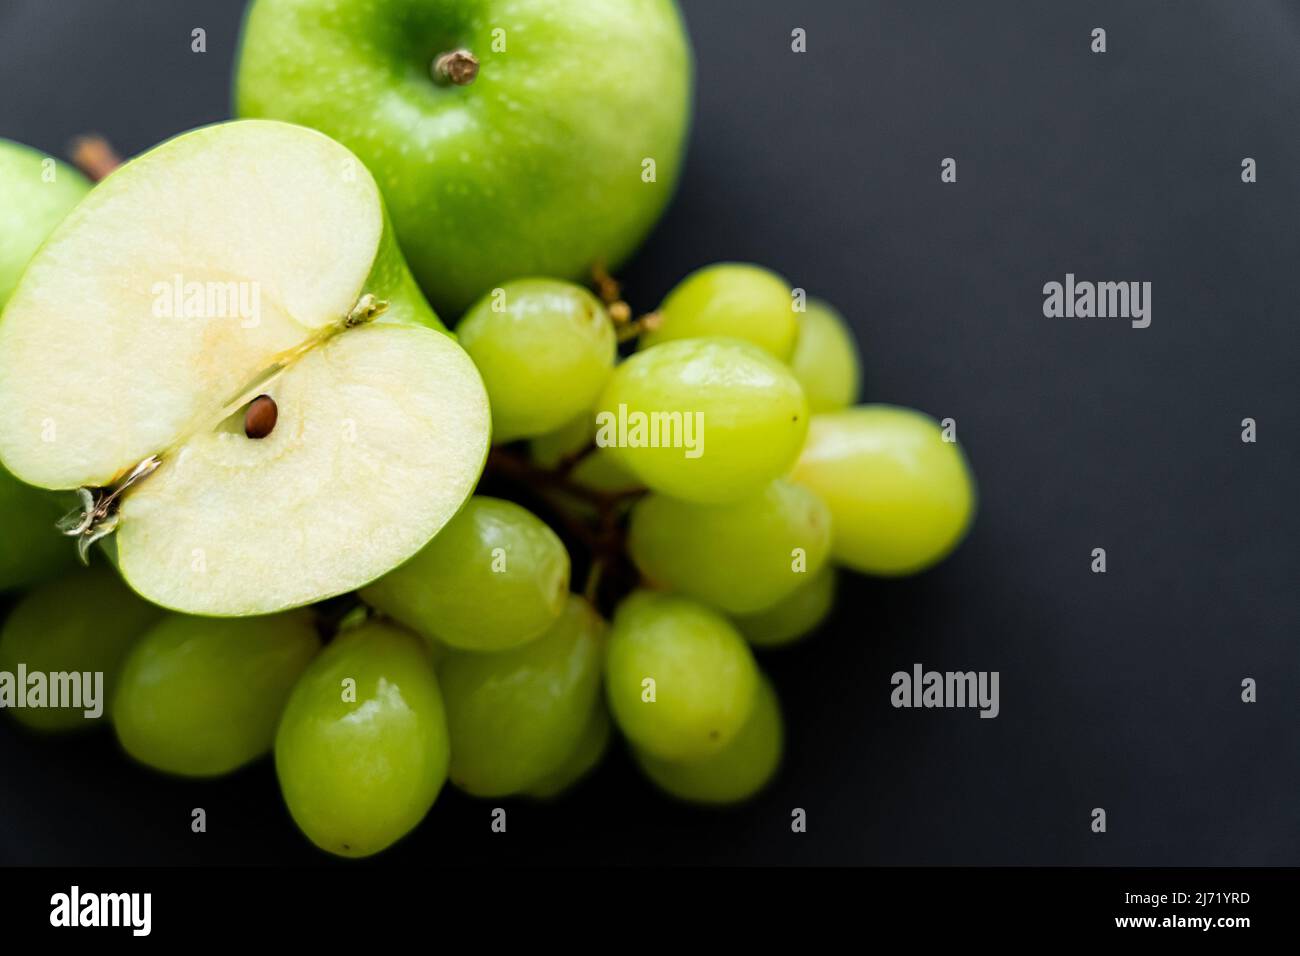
{"x":711,"y":482}
{"x":666,"y":495}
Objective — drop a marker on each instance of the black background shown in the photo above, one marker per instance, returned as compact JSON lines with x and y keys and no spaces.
{"x":1120,"y":690}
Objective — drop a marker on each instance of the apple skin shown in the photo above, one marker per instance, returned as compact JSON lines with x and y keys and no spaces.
{"x":31,"y":205}
{"x":535,"y":168}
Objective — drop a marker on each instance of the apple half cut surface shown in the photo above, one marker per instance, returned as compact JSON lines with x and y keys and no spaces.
{"x":237,"y":261}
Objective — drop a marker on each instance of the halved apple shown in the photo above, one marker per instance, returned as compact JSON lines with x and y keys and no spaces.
{"x":248,"y":262}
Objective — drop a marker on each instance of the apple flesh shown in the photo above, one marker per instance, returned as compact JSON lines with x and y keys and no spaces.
{"x":36,"y":192}
{"x":126,"y":371}
{"x":557,"y":150}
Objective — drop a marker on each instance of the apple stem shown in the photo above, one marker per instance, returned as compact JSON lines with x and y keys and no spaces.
{"x":94,"y":156}
{"x":457,"y":68}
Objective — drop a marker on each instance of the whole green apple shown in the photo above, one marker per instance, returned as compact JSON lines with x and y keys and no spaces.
{"x":36,"y":192}
{"x":509,"y":137}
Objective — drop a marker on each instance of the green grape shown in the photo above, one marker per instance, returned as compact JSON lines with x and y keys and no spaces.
{"x":550,"y":449}
{"x":438,"y":651}
{"x":703,"y":419}
{"x":825,"y":359}
{"x":31,"y":550}
{"x":36,"y":193}
{"x":900,"y":496}
{"x":794,"y":616}
{"x":516,"y":717}
{"x":362,"y":747}
{"x":545,"y":349}
{"x":742,"y":556}
{"x":732,"y":299}
{"x":84,"y":622}
{"x":601,"y":471}
{"x":591,"y":747}
{"x":598,"y":469}
{"x":495,"y":577}
{"x":736,"y":772}
{"x":679,"y":677}
{"x":201,"y":696}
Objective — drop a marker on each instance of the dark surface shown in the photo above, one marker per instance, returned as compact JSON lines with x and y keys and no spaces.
{"x":1119,"y":690}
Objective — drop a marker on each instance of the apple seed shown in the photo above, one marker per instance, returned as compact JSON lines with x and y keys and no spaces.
{"x":260,"y":418}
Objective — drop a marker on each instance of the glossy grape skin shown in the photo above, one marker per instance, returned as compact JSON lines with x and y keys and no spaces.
{"x":544,"y":357}
{"x":793,"y":617}
{"x":754,"y":417}
{"x":735,"y":773}
{"x":591,"y":748}
{"x":825,"y":359}
{"x":84,"y":621}
{"x":901,"y":498}
{"x":703,"y":671}
{"x":515,"y":717}
{"x":450,"y":591}
{"x":201,"y":696}
{"x":359,"y":774}
{"x":738,"y":557}
{"x":731,"y":299}
{"x":36,"y":193}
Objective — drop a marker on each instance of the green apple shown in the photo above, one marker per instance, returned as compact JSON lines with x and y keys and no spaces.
{"x":36,"y":192}
{"x":222,"y":350}
{"x":510,"y":137}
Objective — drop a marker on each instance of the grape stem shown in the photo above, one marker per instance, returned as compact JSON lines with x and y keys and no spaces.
{"x":631,"y":330}
{"x":610,"y":572}
{"x":516,"y":468}
{"x":610,"y":291}
{"x":94,"y":156}
{"x":607,"y":287}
